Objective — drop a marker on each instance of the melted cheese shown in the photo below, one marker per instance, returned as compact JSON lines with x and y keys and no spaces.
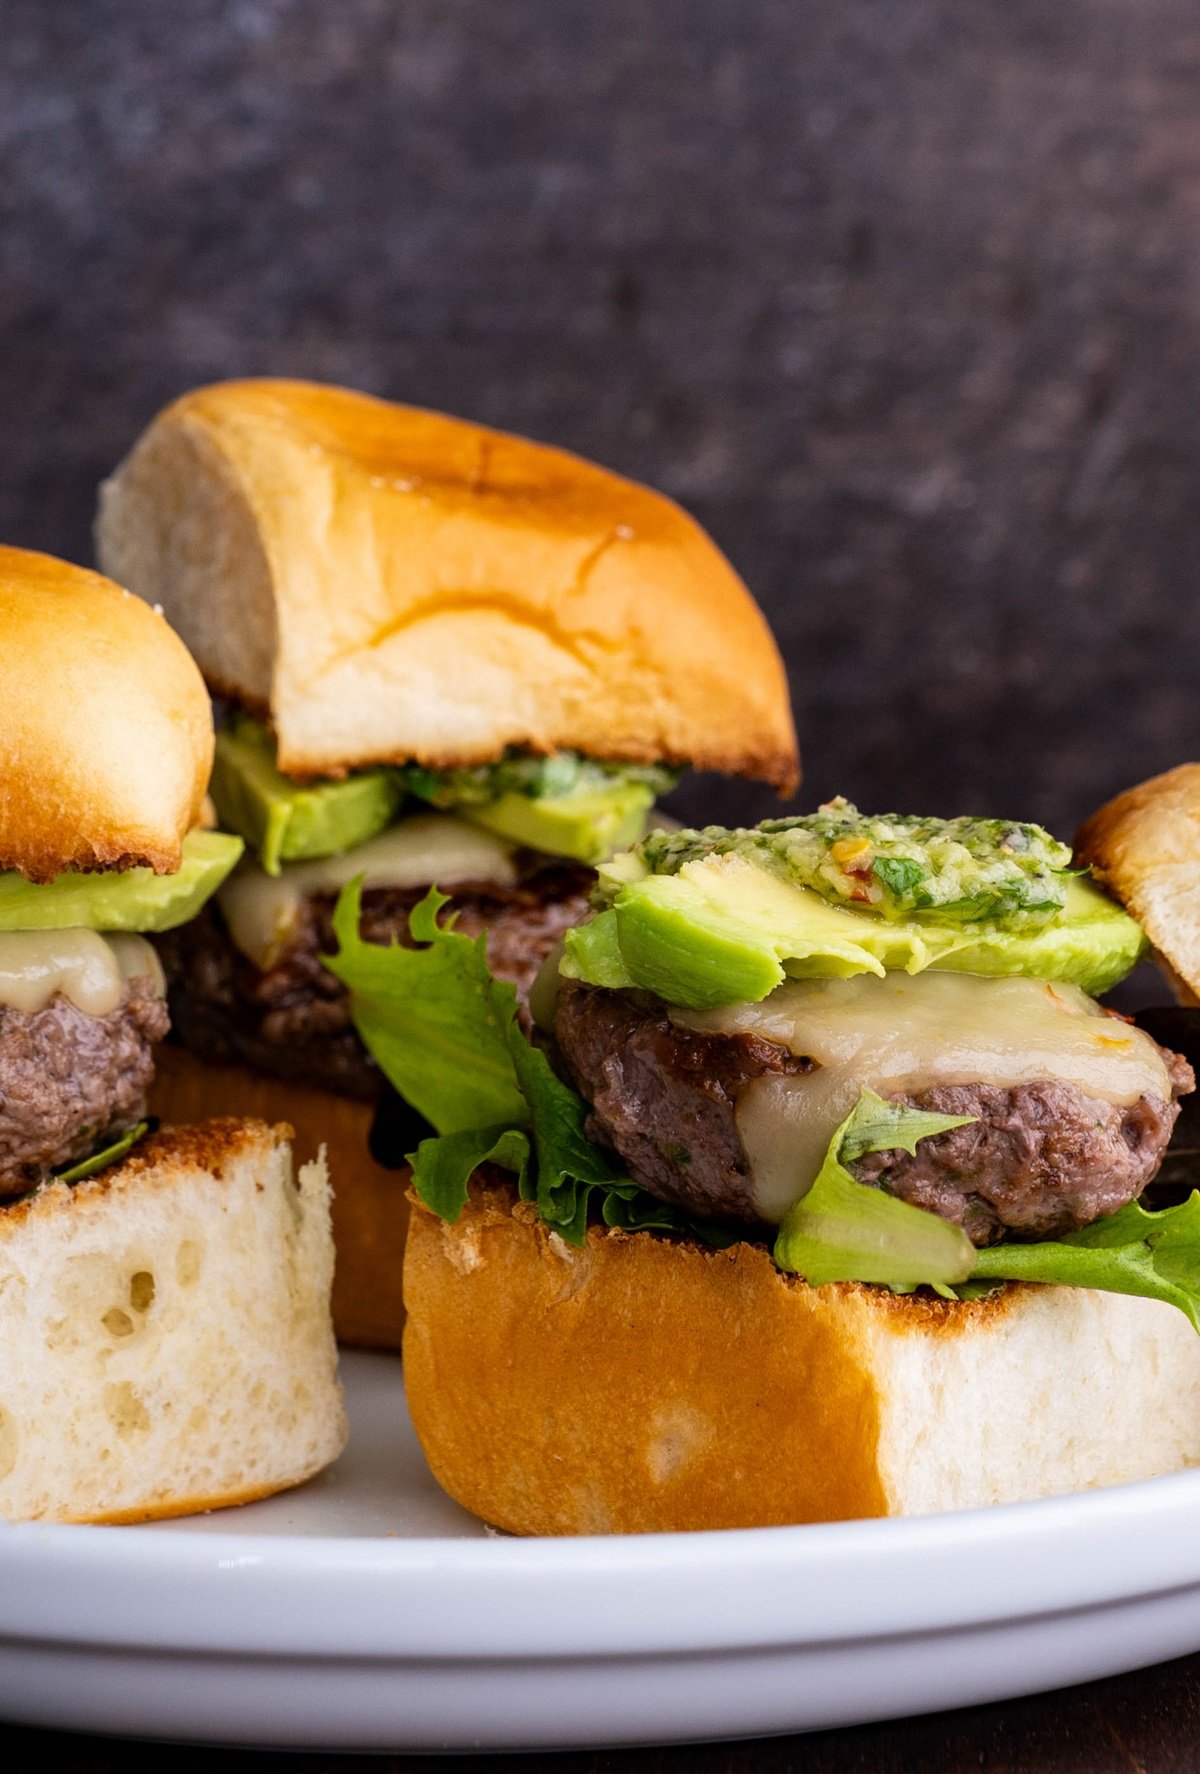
{"x":429,"y":849}
{"x":88,"y":969}
{"x":906,"y":1034}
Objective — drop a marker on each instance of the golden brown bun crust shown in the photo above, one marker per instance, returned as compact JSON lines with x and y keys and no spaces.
{"x":106,"y":738}
{"x":640,"y":1384}
{"x":394,"y":584}
{"x":1144,"y":846}
{"x":370,"y":1205}
{"x":175,"y":1507}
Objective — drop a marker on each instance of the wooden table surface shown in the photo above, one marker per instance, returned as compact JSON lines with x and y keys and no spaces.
{"x":1147,"y":1723}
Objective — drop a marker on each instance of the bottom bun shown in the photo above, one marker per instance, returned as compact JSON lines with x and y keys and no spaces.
{"x":640,"y":1384}
{"x":370,"y":1210}
{"x":168,"y":1335}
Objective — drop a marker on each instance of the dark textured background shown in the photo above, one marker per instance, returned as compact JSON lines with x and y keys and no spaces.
{"x":901,"y":300}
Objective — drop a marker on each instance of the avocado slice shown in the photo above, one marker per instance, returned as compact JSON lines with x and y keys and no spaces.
{"x":1092,"y":943}
{"x":586,"y":825}
{"x":129,"y":899}
{"x":725,"y":931}
{"x":284,"y":821}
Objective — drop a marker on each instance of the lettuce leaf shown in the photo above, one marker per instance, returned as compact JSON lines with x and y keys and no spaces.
{"x":569,"y":1165}
{"x":842,"y":1230}
{"x":111,"y":1154}
{"x":432,"y":1016}
{"x":877,"y":1125}
{"x":445,"y":1034}
{"x":1135,"y":1251}
{"x":442,"y":1167}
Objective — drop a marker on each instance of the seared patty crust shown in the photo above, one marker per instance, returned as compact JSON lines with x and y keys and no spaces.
{"x":292,"y":1020}
{"x":70,"y":1083}
{"x":1039,"y":1160}
{"x":664,"y":1096}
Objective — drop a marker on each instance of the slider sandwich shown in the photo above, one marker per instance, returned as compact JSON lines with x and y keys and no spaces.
{"x":164,"y":1297}
{"x":447,"y":656}
{"x":815,"y":1195}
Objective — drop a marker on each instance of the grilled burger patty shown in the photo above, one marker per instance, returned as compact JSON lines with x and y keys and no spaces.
{"x":69,"y":1082}
{"x":1039,"y":1160}
{"x":293,"y":1019}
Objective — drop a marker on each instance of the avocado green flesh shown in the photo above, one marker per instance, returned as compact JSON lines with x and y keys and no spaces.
{"x":133,"y":899}
{"x":723,"y":931}
{"x":285,"y":822}
{"x":587,"y":826}
{"x":1093,"y":944}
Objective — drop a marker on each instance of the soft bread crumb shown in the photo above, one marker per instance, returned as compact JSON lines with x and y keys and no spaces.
{"x":168,"y":1331}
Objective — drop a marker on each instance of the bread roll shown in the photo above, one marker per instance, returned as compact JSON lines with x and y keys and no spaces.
{"x":1144,"y":846}
{"x":106,"y":741}
{"x":369,"y":1208}
{"x":167,"y":1332}
{"x":390,"y":584}
{"x":640,"y":1384}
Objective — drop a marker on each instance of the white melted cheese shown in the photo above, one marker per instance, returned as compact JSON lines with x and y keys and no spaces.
{"x":429,"y":849}
{"x":88,"y":969}
{"x":907,"y":1034}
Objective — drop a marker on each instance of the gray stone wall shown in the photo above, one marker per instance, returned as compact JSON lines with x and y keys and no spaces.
{"x":901,"y":299}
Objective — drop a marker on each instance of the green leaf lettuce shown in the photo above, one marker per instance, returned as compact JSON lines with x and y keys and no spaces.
{"x":842,"y":1230}
{"x":445,"y":1034}
{"x":433,"y":1016}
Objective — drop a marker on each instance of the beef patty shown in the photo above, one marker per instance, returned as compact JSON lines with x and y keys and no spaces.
{"x":1038,"y":1160}
{"x":69,"y":1082}
{"x":293,"y":1019}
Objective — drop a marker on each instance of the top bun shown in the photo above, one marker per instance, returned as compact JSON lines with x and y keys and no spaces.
{"x":1144,"y":846}
{"x":389,"y":584}
{"x":106,"y":737}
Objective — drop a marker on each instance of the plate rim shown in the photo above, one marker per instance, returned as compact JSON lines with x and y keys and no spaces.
{"x":462,"y":1599}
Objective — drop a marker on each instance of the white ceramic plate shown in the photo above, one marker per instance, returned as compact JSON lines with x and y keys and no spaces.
{"x":368,"y":1612}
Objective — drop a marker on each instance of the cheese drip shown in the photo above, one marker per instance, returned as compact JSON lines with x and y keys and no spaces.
{"x":430,"y":849}
{"x":90,"y":970}
{"x":908,"y":1034}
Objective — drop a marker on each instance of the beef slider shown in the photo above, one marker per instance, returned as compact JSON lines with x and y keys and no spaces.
{"x":1039,"y":1160}
{"x":70,"y":1082}
{"x":292,"y":1019}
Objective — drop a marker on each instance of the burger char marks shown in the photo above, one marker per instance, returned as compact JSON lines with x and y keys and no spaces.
{"x":1038,"y":1160}
{"x":292,"y":1020}
{"x":70,"y":1081}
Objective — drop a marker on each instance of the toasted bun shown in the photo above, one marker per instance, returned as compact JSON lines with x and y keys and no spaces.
{"x":639,"y":1384}
{"x":167,"y":1332}
{"x":106,"y":740}
{"x":370,"y":1205}
{"x":391,"y":584}
{"x":1144,"y":846}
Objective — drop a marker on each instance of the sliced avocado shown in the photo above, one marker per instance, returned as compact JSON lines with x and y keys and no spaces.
{"x":587,"y":825}
{"x":1092,"y":943}
{"x":284,"y":821}
{"x":133,"y":899}
{"x":725,"y":931}
{"x":592,"y":952}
